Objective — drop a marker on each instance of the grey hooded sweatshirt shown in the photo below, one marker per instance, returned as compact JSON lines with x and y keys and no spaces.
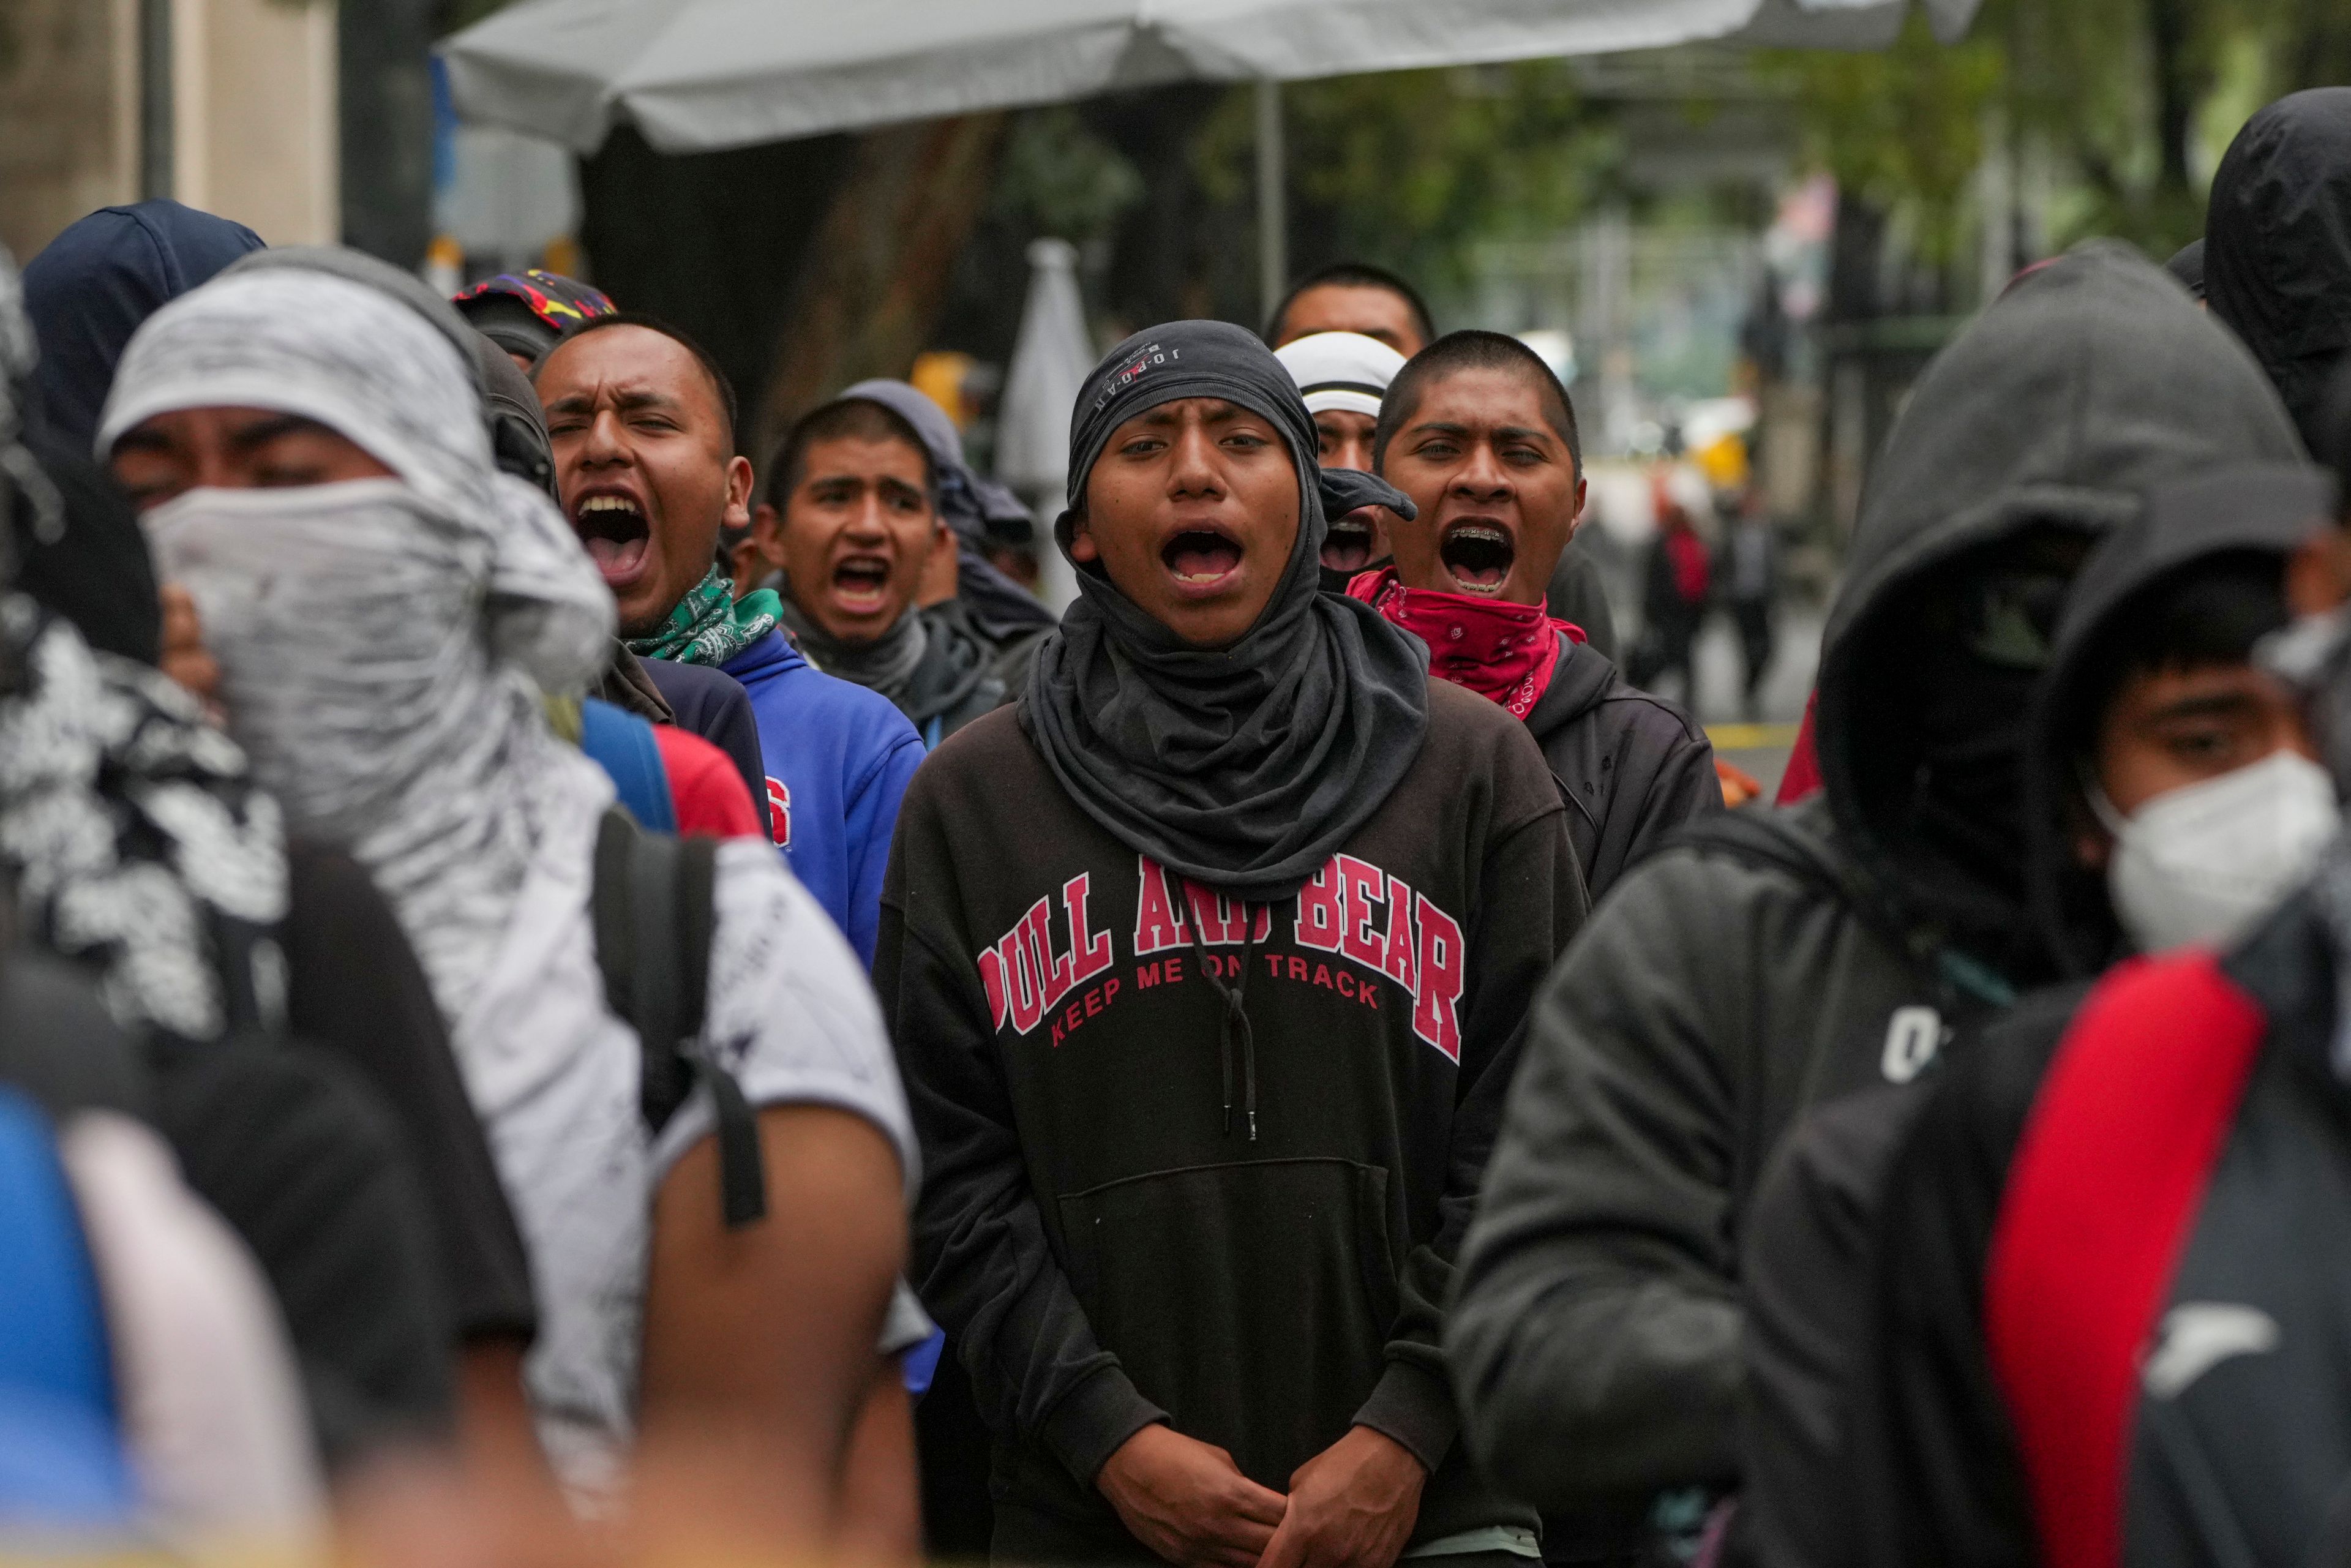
{"x":1771,"y":962}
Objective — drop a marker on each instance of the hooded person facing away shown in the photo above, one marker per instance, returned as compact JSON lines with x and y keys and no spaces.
{"x":386,"y":616}
{"x":1775,"y":962}
{"x":1206,"y":965}
{"x":853,"y":521}
{"x":84,"y":293}
{"x":91,"y":286}
{"x":1478,"y":432}
{"x":2277,"y":245}
{"x":2171,"y":798}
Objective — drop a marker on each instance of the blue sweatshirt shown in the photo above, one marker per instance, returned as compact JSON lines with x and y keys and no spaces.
{"x":838,"y":759}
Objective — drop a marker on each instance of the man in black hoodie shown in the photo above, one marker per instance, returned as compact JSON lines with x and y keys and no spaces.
{"x":2277,"y":245}
{"x":1777,"y":962}
{"x":2103,"y":1312}
{"x":2156,"y":740}
{"x":1480,"y":434}
{"x":1206,"y":965}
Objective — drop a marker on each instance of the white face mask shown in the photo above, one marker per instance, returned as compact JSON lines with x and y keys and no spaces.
{"x":2200,"y":863}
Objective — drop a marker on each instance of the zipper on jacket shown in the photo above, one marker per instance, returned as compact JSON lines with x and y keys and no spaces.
{"x":1236,"y":1018}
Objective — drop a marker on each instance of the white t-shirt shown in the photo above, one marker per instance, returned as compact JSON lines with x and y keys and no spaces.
{"x":555,"y":1077}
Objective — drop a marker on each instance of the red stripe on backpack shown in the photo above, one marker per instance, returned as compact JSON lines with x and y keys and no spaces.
{"x":2100,"y":1201}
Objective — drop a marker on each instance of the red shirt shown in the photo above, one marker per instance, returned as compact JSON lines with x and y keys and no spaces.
{"x":708,"y":794}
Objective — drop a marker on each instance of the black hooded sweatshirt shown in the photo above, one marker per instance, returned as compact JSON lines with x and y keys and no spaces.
{"x":1779,"y":961}
{"x":1206,"y":1160}
{"x":1810,"y":1253}
{"x":1633,"y":768}
{"x":2277,"y":246}
{"x":2242,"y":1459}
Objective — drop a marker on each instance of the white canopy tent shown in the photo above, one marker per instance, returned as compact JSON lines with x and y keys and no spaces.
{"x":697,"y":75}
{"x":700,"y":75}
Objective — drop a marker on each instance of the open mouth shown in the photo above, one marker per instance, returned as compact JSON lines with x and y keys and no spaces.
{"x":1201,"y":558}
{"x":861,"y":584}
{"x":1479,"y":557}
{"x":613,"y":529}
{"x":1348,"y":545}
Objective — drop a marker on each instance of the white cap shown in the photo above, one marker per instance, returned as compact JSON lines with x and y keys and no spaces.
{"x":1340,"y":370}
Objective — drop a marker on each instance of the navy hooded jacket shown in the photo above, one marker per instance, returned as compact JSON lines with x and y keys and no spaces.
{"x":93,"y":285}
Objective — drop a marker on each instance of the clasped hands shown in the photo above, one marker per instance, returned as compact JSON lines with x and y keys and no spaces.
{"x":1351,"y":1505}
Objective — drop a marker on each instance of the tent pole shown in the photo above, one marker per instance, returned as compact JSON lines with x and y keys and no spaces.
{"x":1273,"y":204}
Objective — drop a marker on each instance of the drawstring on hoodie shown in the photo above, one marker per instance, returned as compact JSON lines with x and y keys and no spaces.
{"x":1236,"y":1019}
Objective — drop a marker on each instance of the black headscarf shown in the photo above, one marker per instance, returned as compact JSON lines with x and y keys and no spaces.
{"x":2277,"y":245}
{"x":1243,"y":767}
{"x":93,"y":285}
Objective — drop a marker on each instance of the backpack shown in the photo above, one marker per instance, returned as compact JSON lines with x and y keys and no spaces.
{"x":623,"y":746}
{"x":653,"y":912}
{"x":2101,"y":1197}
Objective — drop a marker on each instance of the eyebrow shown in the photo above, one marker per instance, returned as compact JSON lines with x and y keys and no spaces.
{"x":628,"y":399}
{"x":262,"y":431}
{"x":879,"y":481}
{"x":1538,"y":433}
{"x":2206,"y":706}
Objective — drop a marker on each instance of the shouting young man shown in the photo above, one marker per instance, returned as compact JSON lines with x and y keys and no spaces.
{"x":642,"y":423}
{"x":1479,"y":433}
{"x":852,"y":518}
{"x":1206,"y":965}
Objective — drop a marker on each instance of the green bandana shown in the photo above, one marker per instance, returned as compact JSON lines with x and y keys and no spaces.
{"x":710,"y":625}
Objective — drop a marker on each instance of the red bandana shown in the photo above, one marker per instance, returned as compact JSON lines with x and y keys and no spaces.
{"x":1505,"y":653}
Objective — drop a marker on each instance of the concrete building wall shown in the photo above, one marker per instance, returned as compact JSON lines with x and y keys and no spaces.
{"x":68,"y":96}
{"x":254,"y":123}
{"x":253,"y":115}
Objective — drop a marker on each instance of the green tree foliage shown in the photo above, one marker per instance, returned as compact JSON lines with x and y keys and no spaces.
{"x":1415,"y":169}
{"x":2123,"y":107}
{"x":1061,"y":178}
{"x":1904,"y":129}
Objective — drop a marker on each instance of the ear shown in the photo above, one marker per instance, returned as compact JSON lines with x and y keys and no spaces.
{"x":2092,"y":845}
{"x":940,"y":569}
{"x":1082,"y":548}
{"x":738,"y":493}
{"x":2318,"y":573}
{"x":1582,"y":494}
{"x":768,"y":533}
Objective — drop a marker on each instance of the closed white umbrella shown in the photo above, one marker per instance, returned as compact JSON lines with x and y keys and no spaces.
{"x":1051,"y":358}
{"x":703,"y":74}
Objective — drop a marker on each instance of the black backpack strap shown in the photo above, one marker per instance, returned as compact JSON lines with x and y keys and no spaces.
{"x":654,"y":912}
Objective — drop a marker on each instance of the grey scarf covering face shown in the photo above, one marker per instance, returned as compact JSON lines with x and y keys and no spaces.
{"x":1242,"y":767}
{"x":382,"y":643}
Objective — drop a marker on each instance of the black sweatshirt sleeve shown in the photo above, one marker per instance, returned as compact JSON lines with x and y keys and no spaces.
{"x":1685,"y":790}
{"x":1533,"y":903}
{"x":1937,"y":1477}
{"x":983,"y":1265}
{"x":1595,"y":1341}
